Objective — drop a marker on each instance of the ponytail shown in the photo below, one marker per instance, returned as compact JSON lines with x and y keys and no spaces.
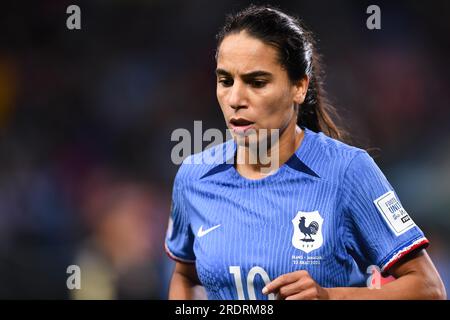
{"x":316,"y":112}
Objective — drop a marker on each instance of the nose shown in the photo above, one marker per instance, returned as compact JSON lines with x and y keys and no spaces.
{"x":237,"y":98}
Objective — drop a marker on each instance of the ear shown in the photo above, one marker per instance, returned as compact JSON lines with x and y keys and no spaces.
{"x":300,"y":89}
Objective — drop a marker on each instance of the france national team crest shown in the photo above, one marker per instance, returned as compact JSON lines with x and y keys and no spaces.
{"x":307,"y":231}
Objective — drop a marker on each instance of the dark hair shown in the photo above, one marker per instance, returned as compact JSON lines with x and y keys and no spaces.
{"x":296,"y":53}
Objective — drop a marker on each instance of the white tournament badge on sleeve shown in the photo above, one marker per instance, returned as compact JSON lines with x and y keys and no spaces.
{"x":393,"y":213}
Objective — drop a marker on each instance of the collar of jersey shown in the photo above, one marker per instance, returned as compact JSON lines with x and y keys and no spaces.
{"x":293,"y":162}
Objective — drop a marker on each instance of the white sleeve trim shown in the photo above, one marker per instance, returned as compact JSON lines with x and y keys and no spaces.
{"x":402,"y":252}
{"x":174,"y":257}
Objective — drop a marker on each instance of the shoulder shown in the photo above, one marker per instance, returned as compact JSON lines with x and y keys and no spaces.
{"x":197,"y":165}
{"x":331,"y":158}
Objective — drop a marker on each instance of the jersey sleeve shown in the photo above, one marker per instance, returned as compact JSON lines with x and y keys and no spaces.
{"x":179,"y":240}
{"x":378,"y":230}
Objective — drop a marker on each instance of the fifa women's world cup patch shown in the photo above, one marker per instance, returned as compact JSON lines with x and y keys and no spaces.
{"x":393,"y":213}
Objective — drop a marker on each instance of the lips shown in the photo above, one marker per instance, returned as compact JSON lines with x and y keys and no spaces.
{"x":240,"y":122}
{"x":240,"y":125}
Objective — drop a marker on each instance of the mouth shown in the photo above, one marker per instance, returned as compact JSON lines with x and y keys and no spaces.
{"x":241,"y":125}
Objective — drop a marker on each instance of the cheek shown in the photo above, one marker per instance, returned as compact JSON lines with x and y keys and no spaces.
{"x":276,"y":110}
{"x":220,"y":98}
{"x":219,"y":95}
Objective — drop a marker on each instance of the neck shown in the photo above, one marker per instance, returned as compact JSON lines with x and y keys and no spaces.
{"x":288,"y":142}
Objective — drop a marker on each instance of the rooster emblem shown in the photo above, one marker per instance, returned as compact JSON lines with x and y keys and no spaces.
{"x":307,"y":231}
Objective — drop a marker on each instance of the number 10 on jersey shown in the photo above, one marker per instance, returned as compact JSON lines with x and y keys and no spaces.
{"x":236,"y":272}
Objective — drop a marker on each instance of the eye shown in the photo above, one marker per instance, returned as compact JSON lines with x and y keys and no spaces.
{"x":258,"y":83}
{"x":226,"y":82}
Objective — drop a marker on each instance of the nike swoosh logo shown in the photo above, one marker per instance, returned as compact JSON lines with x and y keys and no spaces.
{"x":202,"y":232}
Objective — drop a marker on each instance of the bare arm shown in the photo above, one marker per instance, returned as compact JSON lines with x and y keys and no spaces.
{"x":185,"y":284}
{"x":416,"y":278}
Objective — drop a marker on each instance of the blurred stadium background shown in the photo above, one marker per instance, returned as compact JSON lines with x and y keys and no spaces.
{"x":86,"y":118}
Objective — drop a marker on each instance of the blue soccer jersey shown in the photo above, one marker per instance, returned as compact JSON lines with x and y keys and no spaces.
{"x":327,"y":209}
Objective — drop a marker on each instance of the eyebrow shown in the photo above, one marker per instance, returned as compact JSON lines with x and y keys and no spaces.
{"x":253,"y":74}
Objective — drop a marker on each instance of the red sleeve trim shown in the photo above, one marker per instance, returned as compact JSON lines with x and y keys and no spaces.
{"x":422,"y":242}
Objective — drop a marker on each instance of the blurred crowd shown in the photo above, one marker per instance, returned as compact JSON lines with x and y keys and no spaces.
{"x":86,"y":117}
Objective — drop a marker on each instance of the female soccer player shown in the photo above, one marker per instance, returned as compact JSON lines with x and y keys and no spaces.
{"x":326,"y":211}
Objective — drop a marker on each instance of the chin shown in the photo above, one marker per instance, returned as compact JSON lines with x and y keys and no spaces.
{"x":246,"y":141}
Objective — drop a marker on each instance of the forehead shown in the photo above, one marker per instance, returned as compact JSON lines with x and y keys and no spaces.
{"x":241,"y":53}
